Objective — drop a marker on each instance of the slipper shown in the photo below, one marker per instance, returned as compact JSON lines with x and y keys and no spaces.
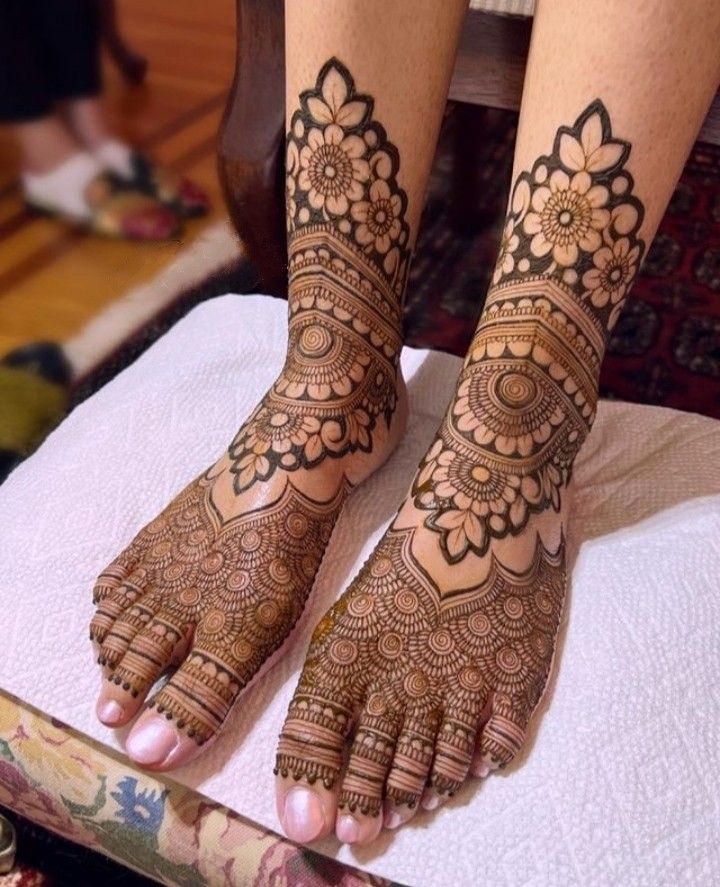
{"x":170,"y":188}
{"x":117,"y":209}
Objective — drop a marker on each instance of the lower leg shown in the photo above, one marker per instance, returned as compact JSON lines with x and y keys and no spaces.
{"x":220,"y":578}
{"x":45,"y":144}
{"x":86,"y":118}
{"x":445,"y":640}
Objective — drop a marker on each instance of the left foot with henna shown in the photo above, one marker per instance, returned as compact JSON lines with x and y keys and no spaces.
{"x":433,"y":661}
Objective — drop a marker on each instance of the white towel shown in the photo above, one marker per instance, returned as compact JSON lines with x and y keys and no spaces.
{"x":621,"y":780}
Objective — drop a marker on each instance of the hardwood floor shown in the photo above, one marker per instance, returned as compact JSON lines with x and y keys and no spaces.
{"x":53,"y":279}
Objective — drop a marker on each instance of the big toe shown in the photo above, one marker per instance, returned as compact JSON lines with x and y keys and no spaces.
{"x":306,"y":812}
{"x":309,"y":760}
{"x":157,"y":744}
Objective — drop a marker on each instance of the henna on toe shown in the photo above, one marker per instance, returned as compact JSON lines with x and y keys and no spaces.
{"x":445,"y":640}
{"x":216,"y":583}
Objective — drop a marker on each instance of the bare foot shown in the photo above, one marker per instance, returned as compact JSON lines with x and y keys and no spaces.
{"x":434,"y":660}
{"x":218,"y":580}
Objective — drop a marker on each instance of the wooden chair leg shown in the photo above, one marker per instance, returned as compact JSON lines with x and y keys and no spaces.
{"x":251,"y":142}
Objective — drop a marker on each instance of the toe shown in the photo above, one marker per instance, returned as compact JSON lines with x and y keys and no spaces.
{"x":156,"y":743}
{"x":148,"y":655}
{"x":191,"y":708}
{"x":410,"y":769}
{"x":454,"y":748}
{"x":309,"y":760}
{"x":119,"y":631}
{"x":115,"y":573}
{"x":307,"y":812}
{"x":478,"y":765}
{"x":112,"y":603}
{"x":359,"y":818}
{"x":501,"y":739}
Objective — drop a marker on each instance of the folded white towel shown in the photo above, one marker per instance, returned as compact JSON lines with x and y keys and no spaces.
{"x":621,"y":782}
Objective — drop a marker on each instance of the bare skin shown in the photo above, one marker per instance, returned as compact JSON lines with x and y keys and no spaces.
{"x":219,"y":579}
{"x":45,"y":144}
{"x":430,"y":666}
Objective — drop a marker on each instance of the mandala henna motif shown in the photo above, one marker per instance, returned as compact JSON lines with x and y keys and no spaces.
{"x":236,"y":583}
{"x":527,"y":393}
{"x":239,"y":586}
{"x":420,"y":665}
{"x":348,"y":246}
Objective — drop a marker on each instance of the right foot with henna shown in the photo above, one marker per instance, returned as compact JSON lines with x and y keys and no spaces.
{"x":218,"y":580}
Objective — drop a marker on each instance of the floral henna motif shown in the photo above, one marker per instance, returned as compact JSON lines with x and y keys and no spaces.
{"x":237,"y":586}
{"x":348,"y":245}
{"x":420,"y":665}
{"x":527,"y":393}
{"x":574,"y":218}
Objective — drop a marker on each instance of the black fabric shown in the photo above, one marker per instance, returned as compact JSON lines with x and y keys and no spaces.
{"x":49,"y":52}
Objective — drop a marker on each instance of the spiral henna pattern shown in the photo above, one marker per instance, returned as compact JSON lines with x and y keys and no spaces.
{"x":236,"y":586}
{"x":527,"y":393}
{"x":408,"y":668}
{"x":525,"y":402}
{"x":348,"y":246}
{"x":419,"y":665}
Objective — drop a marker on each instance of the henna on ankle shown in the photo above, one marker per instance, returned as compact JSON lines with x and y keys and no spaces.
{"x":349,"y":251}
{"x":527,"y":393}
{"x":421,"y":663}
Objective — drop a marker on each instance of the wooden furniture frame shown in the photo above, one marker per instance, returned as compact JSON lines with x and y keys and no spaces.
{"x":489,"y":71}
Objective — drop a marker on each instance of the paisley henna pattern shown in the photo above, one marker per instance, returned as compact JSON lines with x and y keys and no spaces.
{"x":238,"y":585}
{"x":527,"y":393}
{"x":419,"y":666}
{"x":348,"y":248}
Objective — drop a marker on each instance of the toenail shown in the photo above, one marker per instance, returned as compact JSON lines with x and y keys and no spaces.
{"x":393,"y":820}
{"x":110,"y":712}
{"x":152,"y":742}
{"x":348,"y":830}
{"x":431,"y":802}
{"x":483,"y":770}
{"x":303,"y":815}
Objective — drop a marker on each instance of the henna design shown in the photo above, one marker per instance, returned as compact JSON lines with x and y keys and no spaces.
{"x":237,"y":582}
{"x":420,"y":665}
{"x":527,"y":393}
{"x":349,"y":251}
{"x":240,"y":585}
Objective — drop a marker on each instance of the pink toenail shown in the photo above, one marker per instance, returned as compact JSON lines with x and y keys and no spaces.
{"x":151,"y":742}
{"x":303,"y":815}
{"x":110,"y":712}
{"x":483,"y":771}
{"x":393,"y":820}
{"x":430,"y":802}
{"x":348,"y":830}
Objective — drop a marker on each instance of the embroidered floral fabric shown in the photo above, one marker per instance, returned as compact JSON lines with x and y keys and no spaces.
{"x":72,"y":786}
